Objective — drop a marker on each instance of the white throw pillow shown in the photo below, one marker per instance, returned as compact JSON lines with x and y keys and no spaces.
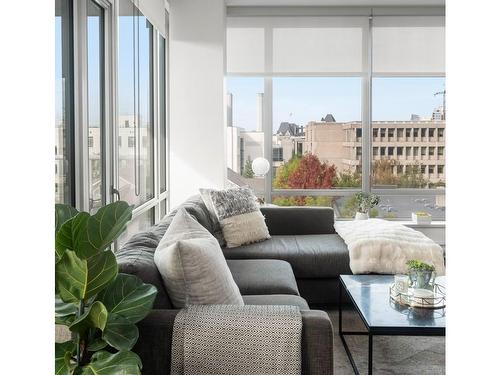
{"x":238,"y":214}
{"x":193,"y":267}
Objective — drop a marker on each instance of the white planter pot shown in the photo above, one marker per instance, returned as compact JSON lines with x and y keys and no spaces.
{"x":421,"y":219}
{"x":361,"y":216}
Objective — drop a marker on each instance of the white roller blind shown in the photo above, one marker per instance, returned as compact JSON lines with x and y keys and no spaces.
{"x":296,"y":45}
{"x":409,"y":45}
{"x":245,"y":50}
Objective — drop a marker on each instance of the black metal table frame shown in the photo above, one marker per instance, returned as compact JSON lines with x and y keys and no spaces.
{"x":377,"y":331}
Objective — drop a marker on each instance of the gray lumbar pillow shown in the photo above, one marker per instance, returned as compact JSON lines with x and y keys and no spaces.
{"x":193,"y":267}
{"x":238,"y":214}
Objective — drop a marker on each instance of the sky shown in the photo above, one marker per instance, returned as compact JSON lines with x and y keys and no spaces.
{"x":304,"y":99}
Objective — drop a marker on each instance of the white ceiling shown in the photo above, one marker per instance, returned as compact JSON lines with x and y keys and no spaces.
{"x":369,"y":3}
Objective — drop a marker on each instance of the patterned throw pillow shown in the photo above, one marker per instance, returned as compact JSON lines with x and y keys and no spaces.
{"x":238,"y":214}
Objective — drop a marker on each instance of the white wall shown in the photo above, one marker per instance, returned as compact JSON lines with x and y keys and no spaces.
{"x":197,"y":132}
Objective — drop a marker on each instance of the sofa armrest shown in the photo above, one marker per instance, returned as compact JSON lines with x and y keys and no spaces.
{"x":155,"y":341}
{"x":299,"y":220}
{"x":317,"y":343}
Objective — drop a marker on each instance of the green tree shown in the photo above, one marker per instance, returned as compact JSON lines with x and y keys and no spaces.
{"x":247,"y":170}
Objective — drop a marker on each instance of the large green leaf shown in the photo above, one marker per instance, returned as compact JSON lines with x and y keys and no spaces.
{"x":70,"y":235}
{"x":63,"y":354}
{"x":104,"y":363}
{"x":95,"y":316}
{"x":89,"y":235}
{"x":97,"y":344}
{"x":120,"y":333}
{"x":63,"y":212}
{"x":108,"y":223}
{"x":129,"y":297}
{"x":78,"y":279}
{"x":71,"y":277}
{"x":102,"y":269}
{"x":65,"y":312}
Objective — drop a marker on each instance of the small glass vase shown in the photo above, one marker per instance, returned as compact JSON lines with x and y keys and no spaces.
{"x":420,"y":279}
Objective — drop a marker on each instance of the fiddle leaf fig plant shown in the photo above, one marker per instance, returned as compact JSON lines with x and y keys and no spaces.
{"x":99,"y":306}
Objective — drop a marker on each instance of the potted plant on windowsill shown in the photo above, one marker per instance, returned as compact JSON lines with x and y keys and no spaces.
{"x":421,"y":217}
{"x":365,"y":202}
{"x":98,"y":305}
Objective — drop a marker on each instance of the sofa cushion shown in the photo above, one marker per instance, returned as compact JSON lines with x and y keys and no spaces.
{"x":192,"y":265}
{"x":311,"y":256}
{"x":277,"y":299}
{"x":263,"y":276}
{"x":136,"y":257}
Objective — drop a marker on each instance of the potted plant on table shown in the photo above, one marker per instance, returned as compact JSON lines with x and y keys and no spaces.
{"x":365,"y":202}
{"x":422,"y":275}
{"x":98,"y":305}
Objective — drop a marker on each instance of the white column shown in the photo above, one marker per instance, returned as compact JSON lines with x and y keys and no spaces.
{"x":197,"y":131}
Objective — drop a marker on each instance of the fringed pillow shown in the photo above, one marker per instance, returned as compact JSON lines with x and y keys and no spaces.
{"x":238,"y":214}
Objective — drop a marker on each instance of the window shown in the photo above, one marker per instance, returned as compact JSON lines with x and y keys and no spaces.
{"x":440,"y":169}
{"x":441,"y":150}
{"x":431,"y":151}
{"x":135,"y":88}
{"x":431,"y":132}
{"x":64,"y":108}
{"x":277,"y":154}
{"x":431,"y":169}
{"x":245,"y":130}
{"x":314,"y":95}
{"x":440,"y":133}
{"x":398,"y":99}
{"x":134,"y":170}
{"x":95,"y":106}
{"x":305,"y":115}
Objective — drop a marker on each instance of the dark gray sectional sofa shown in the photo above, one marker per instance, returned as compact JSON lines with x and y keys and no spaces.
{"x":299,"y":265}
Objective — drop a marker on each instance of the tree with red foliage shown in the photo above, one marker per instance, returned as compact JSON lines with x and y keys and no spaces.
{"x":312,"y":174}
{"x":305,"y":172}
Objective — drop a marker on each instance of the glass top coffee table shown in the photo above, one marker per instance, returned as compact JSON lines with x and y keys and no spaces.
{"x":381,"y":316}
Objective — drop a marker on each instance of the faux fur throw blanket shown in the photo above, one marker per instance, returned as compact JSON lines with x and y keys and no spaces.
{"x":237,"y":340}
{"x":382,"y":246}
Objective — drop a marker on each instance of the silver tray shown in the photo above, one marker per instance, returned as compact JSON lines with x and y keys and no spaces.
{"x":420,"y":298}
